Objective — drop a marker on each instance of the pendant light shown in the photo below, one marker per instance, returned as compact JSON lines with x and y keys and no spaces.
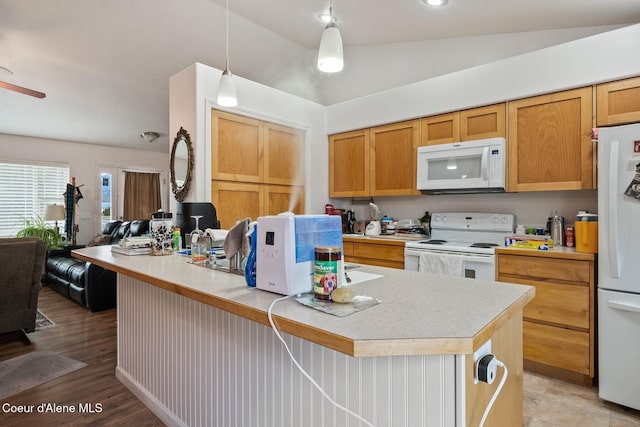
{"x":226,"y":91}
{"x":330,"y":57}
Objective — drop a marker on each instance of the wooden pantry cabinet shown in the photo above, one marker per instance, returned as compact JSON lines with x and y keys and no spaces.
{"x":549,"y":145}
{"x":372,"y":251}
{"x":239,"y":200}
{"x":248,"y":150}
{"x":379,"y":161}
{"x":618,"y":102}
{"x":257,"y":168}
{"x":559,"y":323}
{"x":467,"y":125}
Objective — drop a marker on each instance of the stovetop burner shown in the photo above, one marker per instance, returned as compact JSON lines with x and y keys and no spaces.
{"x":434,"y":242}
{"x":483,"y":245}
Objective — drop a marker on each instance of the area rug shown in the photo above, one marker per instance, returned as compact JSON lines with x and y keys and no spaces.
{"x":32,"y":369}
{"x":43,"y":321}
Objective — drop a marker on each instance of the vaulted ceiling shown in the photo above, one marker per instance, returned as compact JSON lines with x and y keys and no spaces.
{"x":105,"y":66}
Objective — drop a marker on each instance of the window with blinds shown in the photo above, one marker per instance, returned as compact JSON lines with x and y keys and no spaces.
{"x":26,"y":190}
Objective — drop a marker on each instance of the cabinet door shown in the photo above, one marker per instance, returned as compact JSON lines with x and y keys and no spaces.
{"x":393,"y":158}
{"x":236,"y":148}
{"x":284,"y":155}
{"x":549,"y":144}
{"x":234,"y":201}
{"x":618,"y":102}
{"x":349,"y":164}
{"x":442,"y":129}
{"x":281,"y":198}
{"x":483,"y":122}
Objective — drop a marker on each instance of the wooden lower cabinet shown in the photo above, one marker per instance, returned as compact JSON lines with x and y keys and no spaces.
{"x":559,"y":323}
{"x":371,"y":251}
{"x":557,"y":346}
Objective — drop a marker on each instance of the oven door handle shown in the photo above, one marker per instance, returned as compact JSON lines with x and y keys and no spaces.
{"x":484,"y":163}
{"x":487,"y":258}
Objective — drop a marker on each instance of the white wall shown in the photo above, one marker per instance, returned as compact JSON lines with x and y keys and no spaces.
{"x":376,"y":68}
{"x":602,"y":57}
{"x":84,"y":161}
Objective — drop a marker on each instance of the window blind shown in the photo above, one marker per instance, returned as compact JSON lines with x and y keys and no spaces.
{"x":26,"y":190}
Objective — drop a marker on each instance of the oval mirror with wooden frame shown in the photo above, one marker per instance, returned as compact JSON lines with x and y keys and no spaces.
{"x":181,"y":165}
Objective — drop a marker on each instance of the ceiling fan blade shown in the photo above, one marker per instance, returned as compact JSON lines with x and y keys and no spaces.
{"x":22,"y":89}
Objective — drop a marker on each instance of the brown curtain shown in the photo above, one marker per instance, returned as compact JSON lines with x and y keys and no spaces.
{"x":141,"y":195}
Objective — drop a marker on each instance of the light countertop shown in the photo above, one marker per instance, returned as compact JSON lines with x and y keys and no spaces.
{"x":420,"y":313}
{"x":562,"y":252}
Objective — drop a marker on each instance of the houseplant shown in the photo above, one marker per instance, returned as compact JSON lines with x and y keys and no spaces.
{"x":39,"y":228}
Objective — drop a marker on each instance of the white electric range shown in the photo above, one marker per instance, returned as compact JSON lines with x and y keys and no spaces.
{"x":461,"y":244}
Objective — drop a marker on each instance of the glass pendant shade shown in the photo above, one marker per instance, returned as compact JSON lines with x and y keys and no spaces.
{"x":330,"y":57}
{"x":226,"y":91}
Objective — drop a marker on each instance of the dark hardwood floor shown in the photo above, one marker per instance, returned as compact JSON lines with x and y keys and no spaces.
{"x":89,"y":338}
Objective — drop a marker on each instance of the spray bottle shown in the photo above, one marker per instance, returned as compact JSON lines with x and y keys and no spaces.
{"x":250,"y":266}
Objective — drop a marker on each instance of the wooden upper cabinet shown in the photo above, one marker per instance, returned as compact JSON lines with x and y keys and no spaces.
{"x":393,"y":150}
{"x":283,"y":155}
{"x":467,"y":125}
{"x":349,"y":164}
{"x":441,"y":129}
{"x":237,"y":145}
{"x":549,"y":145}
{"x":618,"y":102}
{"x":483,"y":122}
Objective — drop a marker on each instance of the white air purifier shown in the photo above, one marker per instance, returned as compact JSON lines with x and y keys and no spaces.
{"x":285,"y":250}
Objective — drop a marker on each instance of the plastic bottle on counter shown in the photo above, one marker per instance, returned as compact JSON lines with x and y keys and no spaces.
{"x":177,"y":239}
{"x":250,"y":267}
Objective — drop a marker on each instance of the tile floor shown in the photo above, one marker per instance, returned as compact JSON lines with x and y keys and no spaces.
{"x":549,"y":403}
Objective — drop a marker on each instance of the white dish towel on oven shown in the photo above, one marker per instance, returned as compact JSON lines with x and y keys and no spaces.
{"x":450,"y":265}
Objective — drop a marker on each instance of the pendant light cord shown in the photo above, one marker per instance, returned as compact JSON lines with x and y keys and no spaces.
{"x":227,"y":47}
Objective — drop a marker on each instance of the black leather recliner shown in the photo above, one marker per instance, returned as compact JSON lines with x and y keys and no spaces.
{"x":88,"y":284}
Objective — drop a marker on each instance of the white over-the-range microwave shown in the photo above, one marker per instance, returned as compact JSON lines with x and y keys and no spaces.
{"x":463,"y":167}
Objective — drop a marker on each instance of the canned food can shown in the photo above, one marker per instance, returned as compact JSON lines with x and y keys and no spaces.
{"x":327,"y":268}
{"x":569,"y":237}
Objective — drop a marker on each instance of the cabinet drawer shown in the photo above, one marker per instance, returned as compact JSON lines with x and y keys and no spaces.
{"x":559,"y":303}
{"x":382,"y":252}
{"x":544,"y":268}
{"x":562,"y":348}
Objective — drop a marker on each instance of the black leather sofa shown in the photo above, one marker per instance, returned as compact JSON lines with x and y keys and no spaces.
{"x":88,"y":284}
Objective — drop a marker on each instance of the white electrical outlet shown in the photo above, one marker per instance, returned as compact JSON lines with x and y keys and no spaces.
{"x":477,"y":355}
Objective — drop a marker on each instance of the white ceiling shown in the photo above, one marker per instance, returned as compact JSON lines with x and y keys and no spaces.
{"x":105,"y":65}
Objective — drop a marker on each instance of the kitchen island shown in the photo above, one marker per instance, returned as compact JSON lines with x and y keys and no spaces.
{"x":195,"y":346}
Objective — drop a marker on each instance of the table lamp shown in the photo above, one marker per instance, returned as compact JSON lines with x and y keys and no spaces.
{"x":54,"y":213}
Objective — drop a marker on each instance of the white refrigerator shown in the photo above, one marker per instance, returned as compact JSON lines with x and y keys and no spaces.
{"x":619,"y":264}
